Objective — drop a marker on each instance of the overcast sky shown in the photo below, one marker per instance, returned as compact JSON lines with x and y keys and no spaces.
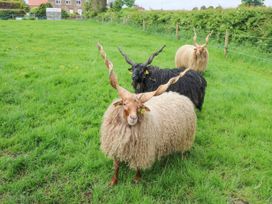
{"x":189,"y":4}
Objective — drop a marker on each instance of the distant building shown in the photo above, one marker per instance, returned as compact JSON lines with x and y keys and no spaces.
{"x":36,"y":3}
{"x":71,"y":6}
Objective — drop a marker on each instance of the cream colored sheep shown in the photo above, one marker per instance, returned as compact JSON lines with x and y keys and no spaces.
{"x":140,"y":128}
{"x":193,"y":56}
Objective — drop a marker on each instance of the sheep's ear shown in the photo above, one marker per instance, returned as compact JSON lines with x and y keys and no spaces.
{"x":146,"y":72}
{"x":146,"y":108}
{"x":118,"y":103}
{"x":143,"y":109}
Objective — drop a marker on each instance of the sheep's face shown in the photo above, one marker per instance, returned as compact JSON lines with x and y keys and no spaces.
{"x":199,"y":50}
{"x":139,"y":74}
{"x":133,"y":109}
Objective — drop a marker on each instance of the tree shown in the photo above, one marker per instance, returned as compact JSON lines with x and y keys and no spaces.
{"x":195,"y":9}
{"x":92,"y":7}
{"x":40,"y":12}
{"x":117,"y":5}
{"x":253,"y":2}
{"x":210,"y":7}
{"x":129,"y":3}
{"x":98,"y":5}
{"x":203,"y":8}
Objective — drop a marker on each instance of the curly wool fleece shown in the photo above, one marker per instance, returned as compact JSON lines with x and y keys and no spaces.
{"x":186,"y":57}
{"x":169,"y":127}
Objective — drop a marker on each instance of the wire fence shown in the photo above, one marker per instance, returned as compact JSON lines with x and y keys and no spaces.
{"x":223,"y":39}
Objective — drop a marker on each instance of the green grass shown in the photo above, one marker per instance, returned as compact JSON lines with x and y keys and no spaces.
{"x":54,"y":90}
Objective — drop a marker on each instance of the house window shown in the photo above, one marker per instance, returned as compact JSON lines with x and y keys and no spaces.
{"x":68,"y":2}
{"x":78,"y":2}
{"x":58,"y":2}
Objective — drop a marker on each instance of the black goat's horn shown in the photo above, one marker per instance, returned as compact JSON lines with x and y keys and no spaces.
{"x":129,"y":61}
{"x":150,"y":59}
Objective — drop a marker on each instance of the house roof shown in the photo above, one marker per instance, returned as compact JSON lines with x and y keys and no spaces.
{"x":36,"y":3}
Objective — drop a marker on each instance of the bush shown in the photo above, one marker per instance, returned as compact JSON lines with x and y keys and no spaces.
{"x":11,"y":13}
{"x":64,"y":14}
{"x":10,"y":5}
{"x":40,"y":12}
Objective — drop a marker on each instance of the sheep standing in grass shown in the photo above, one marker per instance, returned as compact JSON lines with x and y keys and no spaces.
{"x":146,"y":77}
{"x":140,"y":128}
{"x":193,"y":56}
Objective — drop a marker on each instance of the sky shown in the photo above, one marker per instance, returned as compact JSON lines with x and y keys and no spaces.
{"x":189,"y":4}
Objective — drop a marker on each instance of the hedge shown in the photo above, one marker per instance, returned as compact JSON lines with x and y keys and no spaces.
{"x":245,"y":25}
{"x":9,"y":5}
{"x":11,"y":13}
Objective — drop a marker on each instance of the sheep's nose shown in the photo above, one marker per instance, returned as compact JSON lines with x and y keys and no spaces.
{"x":133,"y":117}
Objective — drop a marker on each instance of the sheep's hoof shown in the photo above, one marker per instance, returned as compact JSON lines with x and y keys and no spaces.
{"x":114,"y":181}
{"x":136,"y":179}
{"x":184,"y":155}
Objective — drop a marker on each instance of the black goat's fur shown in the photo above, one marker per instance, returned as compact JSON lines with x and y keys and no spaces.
{"x":192,"y":84}
{"x":146,"y":77}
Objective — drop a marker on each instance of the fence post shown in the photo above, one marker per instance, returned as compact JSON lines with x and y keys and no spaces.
{"x":144,"y":26}
{"x":111,"y":19}
{"x":226,"y":43}
{"x":177,"y":31}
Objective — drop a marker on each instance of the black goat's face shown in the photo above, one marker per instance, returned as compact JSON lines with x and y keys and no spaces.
{"x":139,"y":74}
{"x":140,"y":71}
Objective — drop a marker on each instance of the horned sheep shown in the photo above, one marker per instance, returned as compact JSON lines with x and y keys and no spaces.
{"x":138,"y":129}
{"x":146,"y":77}
{"x":193,"y":56}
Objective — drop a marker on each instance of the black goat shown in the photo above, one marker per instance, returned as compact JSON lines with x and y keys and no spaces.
{"x":146,"y":77}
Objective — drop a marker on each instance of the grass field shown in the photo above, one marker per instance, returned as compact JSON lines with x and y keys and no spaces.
{"x":54,"y":90}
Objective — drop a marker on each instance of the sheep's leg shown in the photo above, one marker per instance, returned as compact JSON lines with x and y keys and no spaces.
{"x":138,"y":176}
{"x":114,"y":179}
{"x":182,"y":155}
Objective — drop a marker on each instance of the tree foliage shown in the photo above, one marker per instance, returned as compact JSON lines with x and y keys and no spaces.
{"x":253,"y":2}
{"x":98,"y":5}
{"x":40,"y":12}
{"x":93,"y":7}
{"x":117,"y":5}
{"x":129,"y":3}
